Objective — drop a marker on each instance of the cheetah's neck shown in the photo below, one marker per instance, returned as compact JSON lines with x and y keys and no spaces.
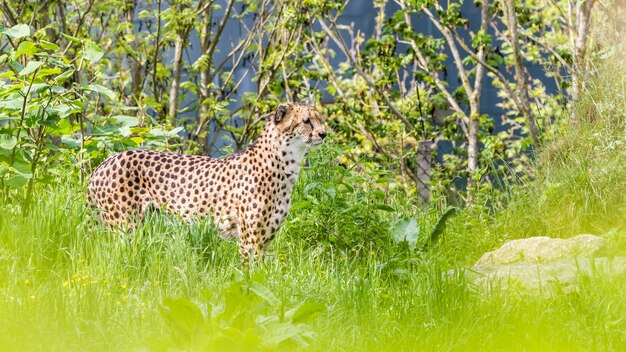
{"x":289,"y":150}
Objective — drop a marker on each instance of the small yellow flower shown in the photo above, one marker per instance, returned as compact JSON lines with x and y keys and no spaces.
{"x":123,"y":287}
{"x":26,"y":282}
{"x":118,"y":303}
{"x":372,"y":253}
{"x":125,"y":297}
{"x":65,"y":283}
{"x":32,"y":297}
{"x":142,"y":304}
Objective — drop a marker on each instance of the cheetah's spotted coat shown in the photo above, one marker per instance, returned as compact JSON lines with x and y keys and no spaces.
{"x":246,"y":194}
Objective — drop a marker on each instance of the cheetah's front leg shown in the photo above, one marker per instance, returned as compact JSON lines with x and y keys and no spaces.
{"x":251,"y":243}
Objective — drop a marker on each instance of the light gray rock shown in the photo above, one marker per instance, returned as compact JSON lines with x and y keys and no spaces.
{"x":544,"y":249}
{"x":543,"y":278}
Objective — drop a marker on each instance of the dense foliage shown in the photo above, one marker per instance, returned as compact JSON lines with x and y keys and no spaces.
{"x":83,"y":79}
{"x":358,"y":264}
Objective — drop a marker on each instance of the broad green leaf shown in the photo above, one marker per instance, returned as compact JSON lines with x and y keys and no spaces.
{"x":440,"y":226}
{"x":64,"y":76}
{"x":70,"y":38}
{"x":70,"y":141}
{"x":15,"y":181}
{"x":406,"y":230}
{"x":125,"y":131}
{"x":281,"y":333}
{"x":31,"y":67}
{"x":92,"y":52}
{"x":18,"y":31}
{"x":384,"y":207}
{"x":125,"y":120}
{"x":143,"y":14}
{"x":183,"y":315}
{"x":137,"y":140}
{"x":12,"y":104}
{"x":104,"y":131}
{"x":69,"y":108}
{"x":45,"y":72}
{"x":7,"y":74}
{"x":23,"y":169}
{"x":305,"y":312}
{"x":7,"y":141}
{"x":264,"y":293}
{"x":102,"y":90}
{"x":48,"y":46}
{"x":26,"y":48}
{"x":39,"y":87}
{"x":301,"y":205}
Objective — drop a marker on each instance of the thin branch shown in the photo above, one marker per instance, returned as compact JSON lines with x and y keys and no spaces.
{"x":344,"y":48}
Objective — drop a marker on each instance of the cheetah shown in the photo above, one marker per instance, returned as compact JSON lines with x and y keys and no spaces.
{"x":247,"y":195}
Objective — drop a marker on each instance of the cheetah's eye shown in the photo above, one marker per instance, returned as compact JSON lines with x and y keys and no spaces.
{"x":306,"y":121}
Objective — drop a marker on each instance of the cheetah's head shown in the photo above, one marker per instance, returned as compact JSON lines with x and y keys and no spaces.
{"x":300,"y":123}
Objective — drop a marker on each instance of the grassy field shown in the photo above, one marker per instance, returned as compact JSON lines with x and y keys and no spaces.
{"x":67,"y":283}
{"x":335,"y":279}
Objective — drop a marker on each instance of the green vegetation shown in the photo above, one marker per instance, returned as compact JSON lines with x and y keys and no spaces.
{"x":334,"y":279}
{"x":359,"y":264}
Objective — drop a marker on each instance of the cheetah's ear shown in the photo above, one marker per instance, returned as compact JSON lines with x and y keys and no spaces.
{"x":281,"y":112}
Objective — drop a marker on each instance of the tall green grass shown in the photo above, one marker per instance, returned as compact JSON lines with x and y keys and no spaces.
{"x":68,"y":283}
{"x":580,"y":183}
{"x":335,"y":277}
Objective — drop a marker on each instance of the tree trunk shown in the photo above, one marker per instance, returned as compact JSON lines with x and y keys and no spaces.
{"x":523,"y":97}
{"x":474,"y":119}
{"x":135,"y":65}
{"x":579,"y":48}
{"x":203,"y":112}
{"x":177,"y":66}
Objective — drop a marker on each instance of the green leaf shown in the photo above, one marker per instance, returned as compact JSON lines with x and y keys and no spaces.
{"x":125,"y":120}
{"x":18,"y":31}
{"x":125,"y":131}
{"x":406,"y":230}
{"x":183,"y":315}
{"x":102,"y":90}
{"x":70,"y":141}
{"x":92,"y":52}
{"x":63,"y":76}
{"x":15,"y":181}
{"x":7,"y":141}
{"x":300,"y":205}
{"x":31,"y":67}
{"x":305,"y":312}
{"x":70,"y":38}
{"x":26,"y":48}
{"x":440,"y":226}
{"x":48,"y":45}
{"x":23,"y":169}
{"x":264,"y":293}
{"x":12,"y":104}
{"x":384,"y":207}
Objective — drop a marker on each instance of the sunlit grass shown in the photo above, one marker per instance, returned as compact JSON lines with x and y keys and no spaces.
{"x":334,"y":278}
{"x":67,"y":283}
